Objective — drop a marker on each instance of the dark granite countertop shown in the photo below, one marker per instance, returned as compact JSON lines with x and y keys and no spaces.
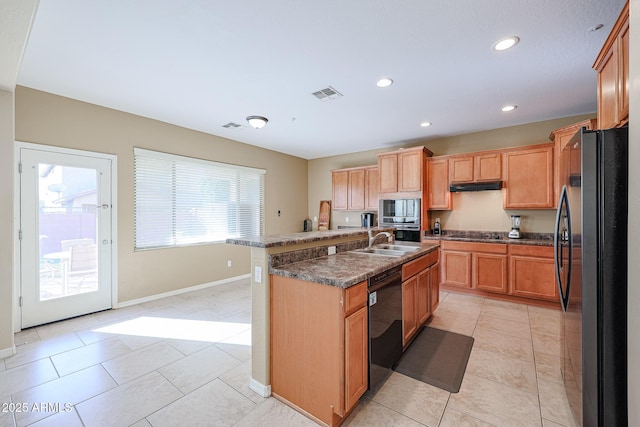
{"x":299,"y":238}
{"x":534,"y":239}
{"x":346,"y":269}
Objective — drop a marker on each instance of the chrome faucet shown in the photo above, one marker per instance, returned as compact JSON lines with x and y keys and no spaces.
{"x":373,"y":238}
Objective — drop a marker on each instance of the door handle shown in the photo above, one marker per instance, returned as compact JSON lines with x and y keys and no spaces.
{"x":105,"y":242}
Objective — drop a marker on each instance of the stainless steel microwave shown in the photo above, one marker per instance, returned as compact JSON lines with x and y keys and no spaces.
{"x":401,"y":213}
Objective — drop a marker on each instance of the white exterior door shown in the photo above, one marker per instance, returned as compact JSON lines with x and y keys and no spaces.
{"x":65,"y":235}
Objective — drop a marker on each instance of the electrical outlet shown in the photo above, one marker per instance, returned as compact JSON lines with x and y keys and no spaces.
{"x":315,"y":219}
{"x":346,"y":219}
{"x":229,"y":263}
{"x":258,"y":274}
{"x":332,"y":250}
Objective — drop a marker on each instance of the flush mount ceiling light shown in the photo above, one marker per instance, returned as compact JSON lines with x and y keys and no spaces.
{"x":257,"y":122}
{"x":507,"y":108}
{"x":425,"y":124}
{"x":384,"y":82}
{"x":506,"y":43}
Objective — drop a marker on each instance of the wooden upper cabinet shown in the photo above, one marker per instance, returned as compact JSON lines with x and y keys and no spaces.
{"x":529,"y":178}
{"x":487,"y":167}
{"x":477,"y":167}
{"x":612,"y":65}
{"x":560,"y":138}
{"x":402,"y":171}
{"x":352,"y":189}
{"x":461,"y":169}
{"x":356,"y":191}
{"x":371,"y":182}
{"x":438,"y":197}
{"x":388,"y":172}
{"x":340,"y":182}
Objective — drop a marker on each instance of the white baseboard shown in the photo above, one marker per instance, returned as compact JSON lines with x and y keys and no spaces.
{"x":8,"y":352}
{"x":261,"y":389}
{"x":180,"y":291}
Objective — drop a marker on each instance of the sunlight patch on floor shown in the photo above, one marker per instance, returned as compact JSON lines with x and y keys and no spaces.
{"x":183,"y":329}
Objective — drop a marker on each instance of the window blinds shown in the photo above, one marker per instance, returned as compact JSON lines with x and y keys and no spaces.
{"x":182,"y":201}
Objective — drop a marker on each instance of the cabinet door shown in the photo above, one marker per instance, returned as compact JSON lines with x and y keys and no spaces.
{"x":623,"y":99}
{"x":529,"y":179}
{"x":438,"y":184}
{"x":409,"y":325}
{"x":490,"y":272}
{"x":435,"y":286}
{"x":371,"y":182}
{"x":410,"y":171}
{"x":340,"y":181}
{"x":461,"y":169}
{"x":608,"y":90}
{"x":356,"y":189}
{"x":356,"y":356}
{"x":423,"y":306}
{"x":456,"y":268}
{"x":388,"y":173}
{"x":487,"y":167}
{"x":533,"y":277}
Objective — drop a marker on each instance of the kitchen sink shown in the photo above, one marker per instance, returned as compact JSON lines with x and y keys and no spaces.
{"x":396,"y":247}
{"x":378,"y":251}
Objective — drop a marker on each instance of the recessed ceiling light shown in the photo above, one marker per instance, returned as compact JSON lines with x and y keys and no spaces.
{"x":384,"y":82}
{"x":425,"y":124}
{"x":508,"y":108}
{"x":506,"y":43}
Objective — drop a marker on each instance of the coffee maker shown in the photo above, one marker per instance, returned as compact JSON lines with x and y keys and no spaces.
{"x":515,"y":227}
{"x":367,"y":219}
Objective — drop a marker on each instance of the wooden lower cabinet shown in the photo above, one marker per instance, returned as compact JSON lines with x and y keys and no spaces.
{"x":417,"y":282}
{"x":435,"y":286}
{"x":456,"y":268}
{"x":532,"y":272}
{"x":319,"y":346}
{"x":409,"y":320}
{"x":490,"y":272}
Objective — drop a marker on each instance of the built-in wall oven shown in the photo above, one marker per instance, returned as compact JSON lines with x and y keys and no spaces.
{"x":404,"y":215}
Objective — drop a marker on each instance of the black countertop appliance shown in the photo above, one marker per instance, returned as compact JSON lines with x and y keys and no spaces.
{"x":368,"y":219}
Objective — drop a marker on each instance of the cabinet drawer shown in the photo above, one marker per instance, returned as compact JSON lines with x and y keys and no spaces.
{"x":417,"y":265}
{"x":491,"y":248}
{"x":534,"y":251}
{"x":355,"y":297}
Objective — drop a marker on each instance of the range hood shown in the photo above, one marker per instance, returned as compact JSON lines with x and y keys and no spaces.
{"x":475,"y":186}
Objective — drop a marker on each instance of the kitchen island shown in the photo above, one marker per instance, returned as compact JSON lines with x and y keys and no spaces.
{"x":329,"y":294}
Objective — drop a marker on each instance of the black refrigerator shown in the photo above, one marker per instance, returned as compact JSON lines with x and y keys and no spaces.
{"x":591,"y":271}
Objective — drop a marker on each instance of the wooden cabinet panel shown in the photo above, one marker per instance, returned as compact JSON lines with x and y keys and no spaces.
{"x":356,"y":189}
{"x":356,"y":367}
{"x":340,"y":181}
{"x":529,"y":178}
{"x":461,"y":169}
{"x":612,"y":65}
{"x":435,"y":286}
{"x":487,"y":167}
{"x":423,"y":305}
{"x":490,"y":272}
{"x":371,"y":188}
{"x":412,"y":267}
{"x":409,"y":322}
{"x":456,"y":268}
{"x":533,"y":277}
{"x":410,"y":170}
{"x":388,"y":172}
{"x":439,"y":196}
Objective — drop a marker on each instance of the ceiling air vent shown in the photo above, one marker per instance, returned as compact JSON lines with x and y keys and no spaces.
{"x":327,"y":94}
{"x":231,"y":125}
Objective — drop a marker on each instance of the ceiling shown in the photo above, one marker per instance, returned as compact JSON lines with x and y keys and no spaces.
{"x":203,"y":64}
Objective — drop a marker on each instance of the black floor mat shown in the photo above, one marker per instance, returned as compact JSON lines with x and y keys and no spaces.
{"x":438,"y":358}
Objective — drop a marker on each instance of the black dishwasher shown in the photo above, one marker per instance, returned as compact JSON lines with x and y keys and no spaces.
{"x":385,"y":324}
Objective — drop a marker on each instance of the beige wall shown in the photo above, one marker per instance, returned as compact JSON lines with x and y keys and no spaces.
{"x":6,"y":221}
{"x":472,"y":211}
{"x":634,"y":217}
{"x":53,"y":120}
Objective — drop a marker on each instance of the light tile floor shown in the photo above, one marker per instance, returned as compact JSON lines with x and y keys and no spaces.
{"x":185,"y":360}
